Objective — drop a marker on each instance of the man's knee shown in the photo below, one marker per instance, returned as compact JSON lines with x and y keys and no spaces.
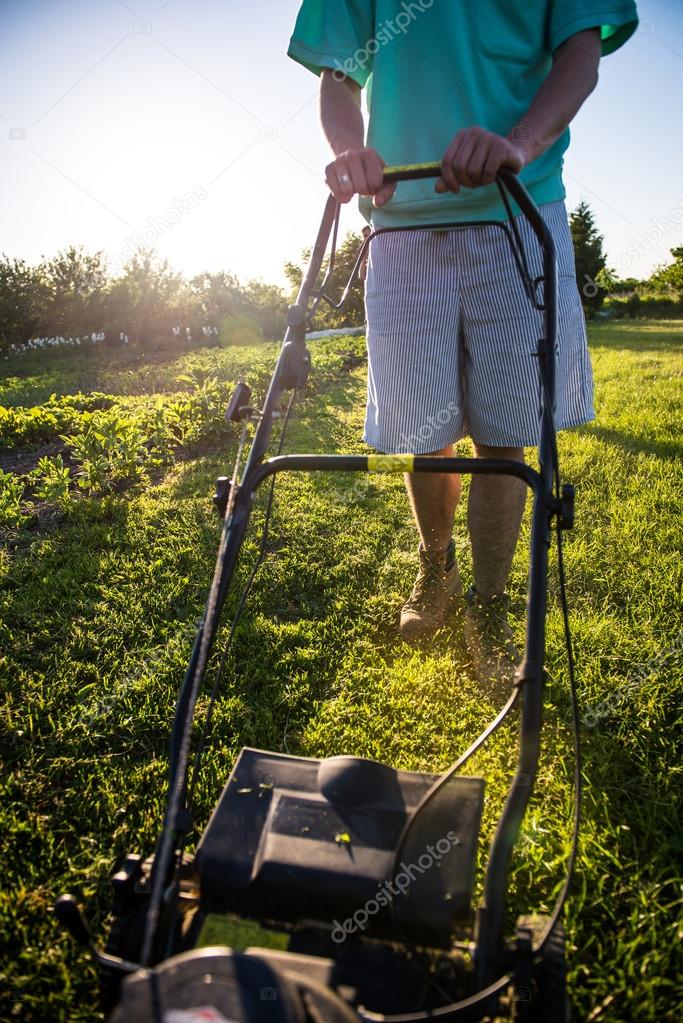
{"x":514,"y":454}
{"x":446,"y":452}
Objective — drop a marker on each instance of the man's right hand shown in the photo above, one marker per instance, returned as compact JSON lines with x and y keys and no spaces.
{"x":358,"y":171}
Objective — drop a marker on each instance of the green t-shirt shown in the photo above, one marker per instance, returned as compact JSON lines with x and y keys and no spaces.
{"x":433,"y":67}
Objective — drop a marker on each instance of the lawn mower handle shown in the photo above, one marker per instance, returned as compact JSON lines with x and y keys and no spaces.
{"x":290,"y":373}
{"x":530,"y":675}
{"x":506,"y":180}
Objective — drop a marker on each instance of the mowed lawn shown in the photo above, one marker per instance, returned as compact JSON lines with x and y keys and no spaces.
{"x":97,"y":613}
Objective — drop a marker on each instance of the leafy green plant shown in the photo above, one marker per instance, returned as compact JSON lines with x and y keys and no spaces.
{"x":202,"y":412}
{"x":162,"y":433}
{"x":11,"y":493}
{"x":52,"y":481}
{"x":19,"y":426}
{"x":112,"y":449}
{"x":88,"y":450}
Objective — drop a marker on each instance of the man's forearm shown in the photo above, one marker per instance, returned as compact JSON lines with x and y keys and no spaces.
{"x":340,"y":113}
{"x":356,"y":169}
{"x":571,"y":80}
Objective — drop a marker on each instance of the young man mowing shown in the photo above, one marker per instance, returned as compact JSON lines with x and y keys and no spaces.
{"x":451,"y":333}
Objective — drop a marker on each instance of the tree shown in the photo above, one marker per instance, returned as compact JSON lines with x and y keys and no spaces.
{"x":148,"y":299}
{"x":241,"y":312}
{"x":267,"y":304}
{"x":216,"y":296}
{"x":24,"y":299}
{"x":77,"y":282}
{"x":589,"y":256}
{"x":671,"y":277}
{"x":352,"y":313}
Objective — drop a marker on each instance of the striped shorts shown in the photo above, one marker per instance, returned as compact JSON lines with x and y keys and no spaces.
{"x":452,"y":338}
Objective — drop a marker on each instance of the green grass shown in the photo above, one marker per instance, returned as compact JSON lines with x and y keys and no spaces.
{"x":97,"y":614}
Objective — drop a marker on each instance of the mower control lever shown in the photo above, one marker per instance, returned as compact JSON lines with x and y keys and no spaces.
{"x":222,"y":495}
{"x":566,"y":509}
{"x":239,"y":403}
{"x":69,"y":915}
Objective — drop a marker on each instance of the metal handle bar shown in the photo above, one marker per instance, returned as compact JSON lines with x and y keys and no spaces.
{"x":506,"y":180}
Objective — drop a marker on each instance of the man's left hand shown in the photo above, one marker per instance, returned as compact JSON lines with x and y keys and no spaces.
{"x":475,"y":156}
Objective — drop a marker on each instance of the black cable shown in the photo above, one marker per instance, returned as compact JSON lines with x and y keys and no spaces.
{"x":444,"y":778}
{"x":576,"y":729}
{"x":429,"y":795}
{"x":472,"y":1002}
{"x":517,"y":246}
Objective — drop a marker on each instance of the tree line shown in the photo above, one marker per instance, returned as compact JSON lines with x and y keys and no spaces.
{"x":604,"y":293}
{"x":74,"y":294}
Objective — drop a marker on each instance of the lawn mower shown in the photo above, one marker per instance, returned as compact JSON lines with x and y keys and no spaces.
{"x":341,"y":889}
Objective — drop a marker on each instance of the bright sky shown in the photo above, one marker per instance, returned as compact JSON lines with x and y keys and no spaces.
{"x":183,"y":124}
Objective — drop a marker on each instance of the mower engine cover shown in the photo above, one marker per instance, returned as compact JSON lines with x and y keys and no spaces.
{"x":297,"y":840}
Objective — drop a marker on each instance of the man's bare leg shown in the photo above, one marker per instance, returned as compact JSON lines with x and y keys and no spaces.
{"x":433,"y":499}
{"x":494,"y":515}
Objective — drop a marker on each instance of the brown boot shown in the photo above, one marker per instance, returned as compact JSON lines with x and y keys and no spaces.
{"x":436,"y":588}
{"x":489,"y":640}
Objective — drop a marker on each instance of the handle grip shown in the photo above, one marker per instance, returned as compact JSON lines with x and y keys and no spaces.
{"x":411,"y":172}
{"x":415,"y":171}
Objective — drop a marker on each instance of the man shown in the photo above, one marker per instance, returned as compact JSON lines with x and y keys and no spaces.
{"x":480,"y":85}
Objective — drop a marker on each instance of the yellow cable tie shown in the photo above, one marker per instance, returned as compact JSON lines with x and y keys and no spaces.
{"x":390,"y":463}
